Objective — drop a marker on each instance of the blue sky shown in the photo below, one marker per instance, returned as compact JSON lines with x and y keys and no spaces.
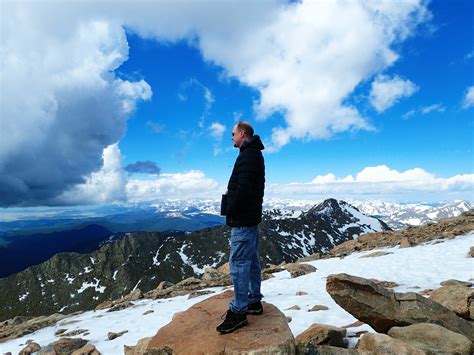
{"x":350,"y":100}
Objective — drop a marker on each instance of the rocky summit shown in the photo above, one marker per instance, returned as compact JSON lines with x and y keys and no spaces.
{"x":70,"y":282}
{"x":193,"y":332}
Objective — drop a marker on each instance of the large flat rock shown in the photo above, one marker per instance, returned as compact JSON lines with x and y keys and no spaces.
{"x":194,"y":331}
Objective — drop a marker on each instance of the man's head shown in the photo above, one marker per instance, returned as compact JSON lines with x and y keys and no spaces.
{"x":241,"y":132}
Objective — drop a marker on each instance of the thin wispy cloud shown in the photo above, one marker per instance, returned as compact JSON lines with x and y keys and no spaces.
{"x":155,"y":127}
{"x":440,"y":108}
{"x":468,"y":100}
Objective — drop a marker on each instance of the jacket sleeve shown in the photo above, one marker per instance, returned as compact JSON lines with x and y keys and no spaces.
{"x":247,"y":170}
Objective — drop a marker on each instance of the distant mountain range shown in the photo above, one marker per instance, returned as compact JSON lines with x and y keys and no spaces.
{"x":68,"y":282}
{"x":398,"y":216}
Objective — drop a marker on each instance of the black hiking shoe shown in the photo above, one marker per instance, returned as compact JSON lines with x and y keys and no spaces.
{"x":255,"y":308}
{"x":232,"y":322}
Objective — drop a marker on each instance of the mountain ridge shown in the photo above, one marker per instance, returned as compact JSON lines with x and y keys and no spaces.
{"x":144,"y":259}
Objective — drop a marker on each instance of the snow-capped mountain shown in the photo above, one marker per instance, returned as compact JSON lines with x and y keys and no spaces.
{"x":398,"y":216}
{"x":70,"y":282}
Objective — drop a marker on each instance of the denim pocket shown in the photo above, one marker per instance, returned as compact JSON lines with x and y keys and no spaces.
{"x":240,"y":234}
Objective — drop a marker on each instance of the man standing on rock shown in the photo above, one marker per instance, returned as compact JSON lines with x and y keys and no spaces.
{"x":243,"y":214}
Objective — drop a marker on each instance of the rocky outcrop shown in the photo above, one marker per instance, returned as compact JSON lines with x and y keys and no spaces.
{"x":432,"y":338}
{"x":459,"y":299}
{"x":445,"y":228}
{"x":19,"y":326}
{"x":194,"y":331}
{"x":383,"y":309}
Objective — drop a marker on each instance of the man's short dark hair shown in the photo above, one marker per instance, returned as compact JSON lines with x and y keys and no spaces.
{"x":245,"y":127}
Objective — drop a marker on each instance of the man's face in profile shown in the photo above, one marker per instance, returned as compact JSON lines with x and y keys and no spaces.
{"x":237,"y":137}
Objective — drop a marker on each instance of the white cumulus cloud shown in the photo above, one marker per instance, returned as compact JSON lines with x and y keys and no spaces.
{"x":102,"y":186}
{"x":386,"y":91}
{"x":63,"y":104}
{"x":381,"y":182}
{"x":191,"y":184}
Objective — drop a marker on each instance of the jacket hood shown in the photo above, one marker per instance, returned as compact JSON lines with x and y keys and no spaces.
{"x":253,"y":142}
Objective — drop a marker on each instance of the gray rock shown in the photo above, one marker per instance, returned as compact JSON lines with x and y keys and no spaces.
{"x":432,"y":338}
{"x":383,"y":309}
{"x":456,"y":298}
{"x":383,"y":344}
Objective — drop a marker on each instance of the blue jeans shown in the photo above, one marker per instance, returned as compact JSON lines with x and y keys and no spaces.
{"x":245,"y":268}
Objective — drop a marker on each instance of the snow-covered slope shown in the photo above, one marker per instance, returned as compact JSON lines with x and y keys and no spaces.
{"x":422,"y":268}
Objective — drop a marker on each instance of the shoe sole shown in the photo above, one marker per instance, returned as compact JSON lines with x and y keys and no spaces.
{"x":237,"y":326}
{"x":255,"y":313}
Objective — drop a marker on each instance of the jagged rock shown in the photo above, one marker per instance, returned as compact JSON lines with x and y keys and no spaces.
{"x":383,"y":344}
{"x":432,"y":338}
{"x":471,"y":252}
{"x":59,"y":331}
{"x":299,"y":269}
{"x":19,"y":326}
{"x":318,"y":307}
{"x":224,"y":268}
{"x":320,"y":334}
{"x":87,"y":349}
{"x":104,"y":305}
{"x":120,"y":306}
{"x":386,"y":284}
{"x":456,"y":298}
{"x":293,"y":308}
{"x":193,"y":331}
{"x":74,"y":332}
{"x":164,"y":285}
{"x":213,"y":277}
{"x":375,"y":254}
{"x":112,"y":335}
{"x":211,"y":274}
{"x":383,"y":309}
{"x":272,"y":269}
{"x":301,"y":293}
{"x":453,"y":282}
{"x":190,"y":281}
{"x":199,"y":293}
{"x":32,"y":347}
{"x":148,"y":312}
{"x":136,"y":294}
{"x":67,"y":345}
{"x":138,"y":349}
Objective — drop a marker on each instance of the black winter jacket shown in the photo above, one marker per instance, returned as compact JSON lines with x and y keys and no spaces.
{"x":246,"y":186}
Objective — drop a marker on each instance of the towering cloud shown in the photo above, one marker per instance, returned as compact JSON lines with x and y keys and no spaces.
{"x":63,"y":104}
